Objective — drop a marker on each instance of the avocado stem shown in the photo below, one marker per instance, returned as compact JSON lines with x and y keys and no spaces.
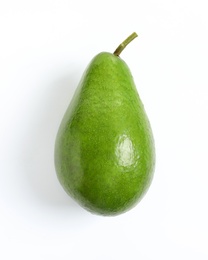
{"x":123,"y":45}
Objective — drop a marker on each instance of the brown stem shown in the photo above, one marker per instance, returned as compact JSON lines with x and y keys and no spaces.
{"x":123,"y":45}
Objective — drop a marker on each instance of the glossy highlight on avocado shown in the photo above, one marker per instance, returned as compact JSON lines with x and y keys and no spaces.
{"x":104,"y":150}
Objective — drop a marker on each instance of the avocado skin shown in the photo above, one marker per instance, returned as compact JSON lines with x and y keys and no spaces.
{"x":104,"y":150}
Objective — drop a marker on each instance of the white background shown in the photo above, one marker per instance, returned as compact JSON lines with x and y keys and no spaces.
{"x":45,"y":46}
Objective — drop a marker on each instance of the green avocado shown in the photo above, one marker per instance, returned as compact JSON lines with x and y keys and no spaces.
{"x":104,"y":150}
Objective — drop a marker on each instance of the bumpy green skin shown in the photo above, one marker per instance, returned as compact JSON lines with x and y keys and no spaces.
{"x":104,"y":152}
